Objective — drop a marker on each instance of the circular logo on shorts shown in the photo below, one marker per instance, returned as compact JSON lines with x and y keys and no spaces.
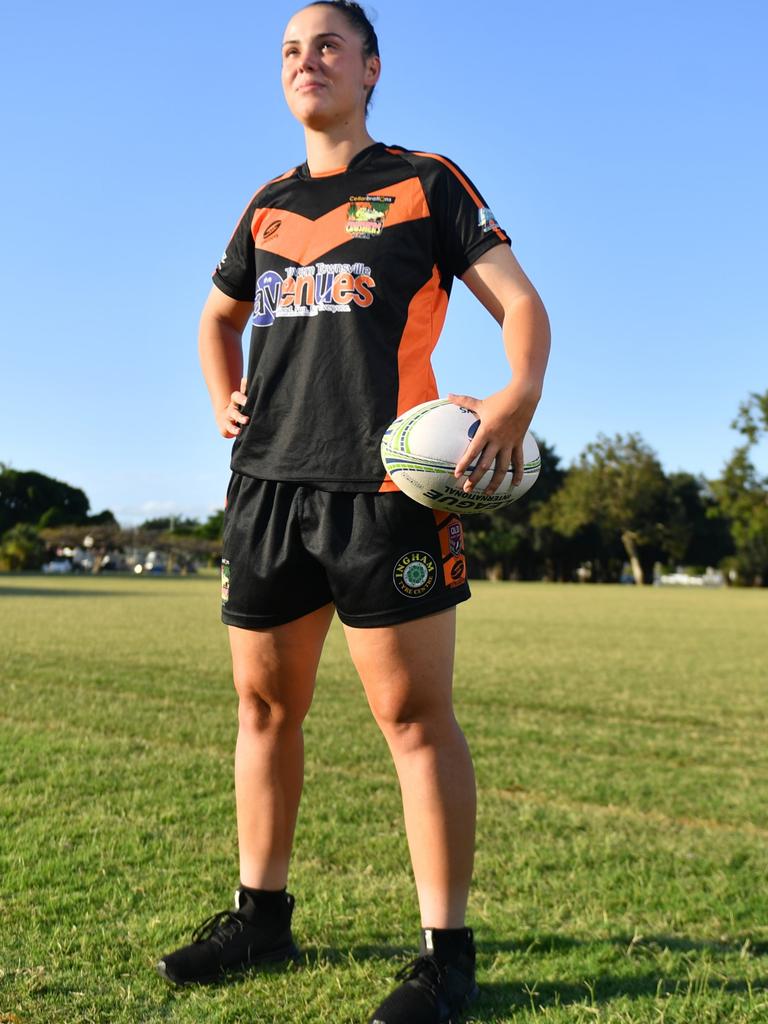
{"x":415,"y":574}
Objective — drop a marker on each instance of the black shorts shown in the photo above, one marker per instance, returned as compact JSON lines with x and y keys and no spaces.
{"x":380,"y":559}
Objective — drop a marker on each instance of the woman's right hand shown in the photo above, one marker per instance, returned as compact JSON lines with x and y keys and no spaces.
{"x":231,"y":419}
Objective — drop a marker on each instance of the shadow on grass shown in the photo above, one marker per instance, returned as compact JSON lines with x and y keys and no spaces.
{"x":509,"y":997}
{"x":527,"y":993}
{"x":543,"y":944}
{"x":61,"y":592}
{"x":654,"y":943}
{"x":311,"y":956}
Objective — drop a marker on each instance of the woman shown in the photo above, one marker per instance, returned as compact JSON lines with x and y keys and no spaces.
{"x":344,"y":266}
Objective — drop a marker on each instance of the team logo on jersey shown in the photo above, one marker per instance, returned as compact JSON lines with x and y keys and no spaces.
{"x":224,"y":580}
{"x":486,"y":220}
{"x":309,"y":291}
{"x":272,"y":229}
{"x":366,"y":215}
{"x":415,"y":574}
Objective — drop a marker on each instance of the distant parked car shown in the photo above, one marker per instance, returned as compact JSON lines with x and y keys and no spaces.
{"x":153,"y":563}
{"x":112,"y":563}
{"x":58,"y":567}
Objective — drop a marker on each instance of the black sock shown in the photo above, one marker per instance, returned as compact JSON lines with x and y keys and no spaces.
{"x":266,"y":900}
{"x":446,"y":944}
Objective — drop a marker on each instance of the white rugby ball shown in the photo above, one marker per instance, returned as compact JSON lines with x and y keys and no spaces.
{"x":420,"y":450}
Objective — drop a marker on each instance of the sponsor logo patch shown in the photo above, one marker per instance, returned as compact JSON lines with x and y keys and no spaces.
{"x":366,"y":215}
{"x":272,"y":229}
{"x":415,"y":574}
{"x":486,"y":220}
{"x":224,"y":580}
{"x":458,"y":571}
{"x":309,"y":291}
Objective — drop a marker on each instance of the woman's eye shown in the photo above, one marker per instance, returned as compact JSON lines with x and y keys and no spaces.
{"x":327,"y":46}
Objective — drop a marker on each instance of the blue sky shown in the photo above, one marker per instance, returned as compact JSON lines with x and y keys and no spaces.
{"x":621,"y":144}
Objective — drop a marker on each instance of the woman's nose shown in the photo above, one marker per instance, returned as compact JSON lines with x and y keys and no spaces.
{"x":307,"y":61}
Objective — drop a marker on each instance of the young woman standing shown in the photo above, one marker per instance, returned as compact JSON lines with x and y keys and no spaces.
{"x":344,"y":266}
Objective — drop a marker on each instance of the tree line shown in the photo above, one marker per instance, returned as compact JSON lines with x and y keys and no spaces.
{"x":614,"y":507}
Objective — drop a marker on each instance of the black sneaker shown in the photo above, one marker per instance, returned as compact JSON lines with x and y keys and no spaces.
{"x":436,"y":987}
{"x":231,"y":941}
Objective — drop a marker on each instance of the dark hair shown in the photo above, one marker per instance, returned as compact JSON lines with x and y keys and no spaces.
{"x":358,"y":20}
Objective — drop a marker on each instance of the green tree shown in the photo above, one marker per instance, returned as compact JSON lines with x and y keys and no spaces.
{"x":752,"y":418}
{"x":505,"y":543}
{"x":177,"y":526}
{"x":742,"y":496}
{"x":213,"y":527}
{"x":619,"y":487}
{"x":31,"y":497}
{"x":696,"y":533}
{"x":104,"y":518}
{"x":21,"y":547}
{"x":742,"y":493}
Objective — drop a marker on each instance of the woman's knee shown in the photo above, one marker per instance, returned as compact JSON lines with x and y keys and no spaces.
{"x":265,"y":708}
{"x":413,"y":723}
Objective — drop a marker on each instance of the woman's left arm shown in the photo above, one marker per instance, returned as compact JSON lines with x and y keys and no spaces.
{"x":498,"y":281}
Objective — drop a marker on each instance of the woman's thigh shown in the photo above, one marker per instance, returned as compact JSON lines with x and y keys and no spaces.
{"x":407,"y":669}
{"x":277,"y":666}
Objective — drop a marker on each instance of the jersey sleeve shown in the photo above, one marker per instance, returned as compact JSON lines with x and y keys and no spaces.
{"x":464,"y":224}
{"x":235,"y":274}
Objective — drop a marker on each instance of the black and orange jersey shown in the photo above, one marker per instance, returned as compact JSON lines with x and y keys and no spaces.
{"x":349,"y":273}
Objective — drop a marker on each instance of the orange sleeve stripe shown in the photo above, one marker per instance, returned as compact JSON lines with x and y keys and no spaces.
{"x":457,"y":174}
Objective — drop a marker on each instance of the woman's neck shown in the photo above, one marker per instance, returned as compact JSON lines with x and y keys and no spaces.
{"x":330,"y":151}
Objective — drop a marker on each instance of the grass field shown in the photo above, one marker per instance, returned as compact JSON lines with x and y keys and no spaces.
{"x":620,"y":741}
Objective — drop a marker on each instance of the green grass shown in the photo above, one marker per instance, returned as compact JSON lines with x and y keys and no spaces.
{"x":620,"y":743}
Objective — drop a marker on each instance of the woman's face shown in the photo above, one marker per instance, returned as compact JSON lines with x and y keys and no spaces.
{"x":325,"y":75}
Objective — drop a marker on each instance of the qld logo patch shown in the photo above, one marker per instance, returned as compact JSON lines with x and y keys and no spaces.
{"x":366,"y":215}
{"x":415,"y":574}
{"x":455,"y":537}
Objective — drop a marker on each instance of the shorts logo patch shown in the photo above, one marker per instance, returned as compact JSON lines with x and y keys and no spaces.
{"x":366,"y":215}
{"x":455,"y":538}
{"x":458,"y":571}
{"x":415,"y":574}
{"x":224,"y":580}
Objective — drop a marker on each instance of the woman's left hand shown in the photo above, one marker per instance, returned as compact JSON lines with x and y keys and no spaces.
{"x":504,"y":418}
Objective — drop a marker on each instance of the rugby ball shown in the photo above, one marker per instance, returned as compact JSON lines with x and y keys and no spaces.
{"x":420,"y":450}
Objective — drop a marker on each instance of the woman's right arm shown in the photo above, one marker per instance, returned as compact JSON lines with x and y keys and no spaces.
{"x":220,"y":345}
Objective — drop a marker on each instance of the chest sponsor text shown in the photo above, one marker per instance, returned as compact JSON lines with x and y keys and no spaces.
{"x":309,"y":291}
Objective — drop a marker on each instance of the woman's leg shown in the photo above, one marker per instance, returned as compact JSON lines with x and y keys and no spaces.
{"x":274,"y":673}
{"x":407,"y":673}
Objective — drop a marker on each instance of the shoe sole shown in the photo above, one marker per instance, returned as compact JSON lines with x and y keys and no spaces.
{"x":285,"y":954}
